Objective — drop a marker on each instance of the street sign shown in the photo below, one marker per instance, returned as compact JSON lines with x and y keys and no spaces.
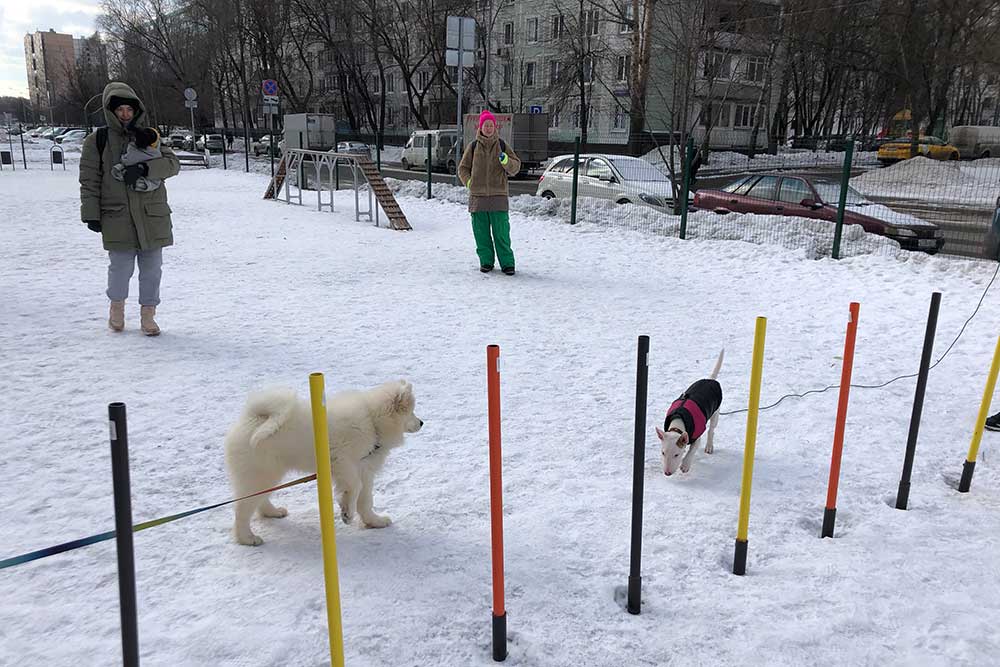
{"x":269,"y":88}
{"x":468,"y":58}
{"x":191,"y":104}
{"x":536,"y":108}
{"x":190,"y":94}
{"x":270,"y":99}
{"x":270,"y":109}
{"x":461,"y":33}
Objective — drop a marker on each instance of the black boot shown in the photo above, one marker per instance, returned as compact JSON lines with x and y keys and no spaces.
{"x":993,"y":423}
{"x":486,"y":268}
{"x":508,"y":270}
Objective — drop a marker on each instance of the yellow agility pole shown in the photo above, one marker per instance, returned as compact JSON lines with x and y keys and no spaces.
{"x":740,"y":558}
{"x":324,"y":486}
{"x":977,"y":434}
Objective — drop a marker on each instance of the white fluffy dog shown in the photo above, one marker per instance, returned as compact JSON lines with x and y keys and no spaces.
{"x":275,"y":436}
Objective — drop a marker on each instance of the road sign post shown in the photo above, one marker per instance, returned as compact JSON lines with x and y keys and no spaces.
{"x":191,"y":102}
{"x":461,"y":35}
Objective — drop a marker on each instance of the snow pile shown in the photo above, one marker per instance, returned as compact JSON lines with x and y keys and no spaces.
{"x":727,"y":161}
{"x":948,"y":182}
{"x":814,"y":238}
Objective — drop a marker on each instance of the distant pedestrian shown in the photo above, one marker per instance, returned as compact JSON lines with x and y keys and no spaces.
{"x":486,"y":165}
{"x":131,"y":214}
{"x":229,"y":141}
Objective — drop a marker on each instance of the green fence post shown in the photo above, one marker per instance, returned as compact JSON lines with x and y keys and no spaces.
{"x":844,"y":184}
{"x":688,"y":159}
{"x":576,"y":174}
{"x":429,"y":195}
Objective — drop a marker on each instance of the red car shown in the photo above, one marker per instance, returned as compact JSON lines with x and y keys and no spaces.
{"x":777,"y":194}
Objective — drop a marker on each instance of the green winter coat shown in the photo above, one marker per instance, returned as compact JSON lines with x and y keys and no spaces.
{"x":129,"y":220}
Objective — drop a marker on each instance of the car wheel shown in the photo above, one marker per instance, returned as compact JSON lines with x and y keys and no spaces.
{"x":986,"y":154}
{"x":452,"y":168}
{"x":623,"y":201}
{"x":953,"y":156}
{"x":548,"y":195}
{"x":722,"y":211}
{"x":403,"y":163}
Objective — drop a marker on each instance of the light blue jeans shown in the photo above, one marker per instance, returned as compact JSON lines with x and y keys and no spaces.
{"x":121,"y":265}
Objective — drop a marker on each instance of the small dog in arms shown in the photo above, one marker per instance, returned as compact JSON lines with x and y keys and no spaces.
{"x":687,"y":419}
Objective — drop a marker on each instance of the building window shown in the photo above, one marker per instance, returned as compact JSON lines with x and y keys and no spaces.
{"x":744,"y":115}
{"x":376,"y":83}
{"x":589,"y":69}
{"x":425,"y":80}
{"x":755,"y":69}
{"x":390,"y":82}
{"x":453,"y":74}
{"x":619,"y":123}
{"x":554,"y":116}
{"x":558,"y":26}
{"x":404,"y":116}
{"x":529,"y":74}
{"x":508,"y":74}
{"x":555,"y":72}
{"x":592,"y":19}
{"x":508,"y":33}
{"x":576,"y":116}
{"x":720,"y":112}
{"x":628,"y":25}
{"x":532,"y":31}
{"x":717,"y":65}
{"x":390,"y":116}
{"x":624,"y":67}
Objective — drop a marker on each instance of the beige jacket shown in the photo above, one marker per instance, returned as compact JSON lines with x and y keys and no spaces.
{"x":482,"y":173}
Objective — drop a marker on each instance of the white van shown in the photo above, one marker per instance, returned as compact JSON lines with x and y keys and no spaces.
{"x":975,"y":141}
{"x":442,"y":143}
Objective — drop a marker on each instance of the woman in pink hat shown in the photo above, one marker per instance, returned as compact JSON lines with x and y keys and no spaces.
{"x":486,"y":165}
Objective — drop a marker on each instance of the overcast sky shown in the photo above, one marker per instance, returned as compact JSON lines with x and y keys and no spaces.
{"x":19,"y":17}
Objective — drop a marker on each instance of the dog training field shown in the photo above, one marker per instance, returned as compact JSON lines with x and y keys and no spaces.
{"x":259,"y":294}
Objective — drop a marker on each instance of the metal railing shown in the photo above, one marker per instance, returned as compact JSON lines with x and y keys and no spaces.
{"x":321,"y":170}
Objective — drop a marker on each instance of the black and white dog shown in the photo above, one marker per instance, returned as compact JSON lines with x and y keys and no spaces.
{"x":687,"y":419}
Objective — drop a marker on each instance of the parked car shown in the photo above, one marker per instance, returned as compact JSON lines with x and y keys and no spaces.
{"x":354,"y":148}
{"x":263,"y":146}
{"x":798,"y":196}
{"x":39,"y":131}
{"x":872,"y":144}
{"x":993,"y":235}
{"x":176,"y":140}
{"x":902,"y":149}
{"x":72,"y":137}
{"x":975,"y":141}
{"x":442,"y":143}
{"x":620,"y":178}
{"x":54,"y":132}
{"x":214,"y":142}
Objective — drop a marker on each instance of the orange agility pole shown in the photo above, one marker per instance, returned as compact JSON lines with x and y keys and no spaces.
{"x":830,"y":514}
{"x":496,"y":503}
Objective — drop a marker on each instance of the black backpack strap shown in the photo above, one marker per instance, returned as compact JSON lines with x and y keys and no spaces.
{"x":102,"y":143}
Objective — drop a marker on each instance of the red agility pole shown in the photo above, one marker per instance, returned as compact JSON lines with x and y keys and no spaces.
{"x":496,"y":503}
{"x":830,"y":513}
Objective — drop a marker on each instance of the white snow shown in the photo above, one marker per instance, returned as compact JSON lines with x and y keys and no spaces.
{"x":975,"y":183}
{"x":259,"y":293}
{"x":786,"y":158}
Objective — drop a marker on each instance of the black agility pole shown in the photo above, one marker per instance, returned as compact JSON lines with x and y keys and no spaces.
{"x":638,"y":467}
{"x":903,"y":494}
{"x":123,"y":534}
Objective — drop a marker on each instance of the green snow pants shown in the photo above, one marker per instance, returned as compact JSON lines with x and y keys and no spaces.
{"x":493,"y":227}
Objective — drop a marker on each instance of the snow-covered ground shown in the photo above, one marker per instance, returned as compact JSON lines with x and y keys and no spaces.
{"x":259,"y":293}
{"x":975,"y":184}
{"x":786,"y":158}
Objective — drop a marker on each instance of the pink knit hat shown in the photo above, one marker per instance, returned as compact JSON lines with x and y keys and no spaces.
{"x":485,"y":116}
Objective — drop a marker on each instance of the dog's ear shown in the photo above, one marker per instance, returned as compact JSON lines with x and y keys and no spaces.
{"x":660,"y":433}
{"x":403,"y":400}
{"x":682,"y":440}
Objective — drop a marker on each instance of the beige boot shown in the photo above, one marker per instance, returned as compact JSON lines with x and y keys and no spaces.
{"x":149,"y":327}
{"x":116,"y":319}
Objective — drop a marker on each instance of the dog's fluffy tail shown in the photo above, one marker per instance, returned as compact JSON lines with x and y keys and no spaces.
{"x":268,"y":411}
{"x":718,"y":364}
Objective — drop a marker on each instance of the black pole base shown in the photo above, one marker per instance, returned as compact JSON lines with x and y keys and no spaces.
{"x":634,"y":595}
{"x":500,"y":638}
{"x":740,"y":559}
{"x":902,"y":495}
{"x":829,"y":519}
{"x":966,"y":482}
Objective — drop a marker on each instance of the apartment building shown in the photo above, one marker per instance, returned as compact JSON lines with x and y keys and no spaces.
{"x":48,"y":56}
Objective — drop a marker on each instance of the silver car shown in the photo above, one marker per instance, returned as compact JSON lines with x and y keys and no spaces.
{"x":354,"y":148}
{"x":621,"y":178}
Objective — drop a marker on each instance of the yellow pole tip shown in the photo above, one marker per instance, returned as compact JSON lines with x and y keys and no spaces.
{"x":315,"y":375}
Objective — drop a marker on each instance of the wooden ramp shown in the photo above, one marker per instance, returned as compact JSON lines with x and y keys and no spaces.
{"x":383,"y":194}
{"x":274,"y":187}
